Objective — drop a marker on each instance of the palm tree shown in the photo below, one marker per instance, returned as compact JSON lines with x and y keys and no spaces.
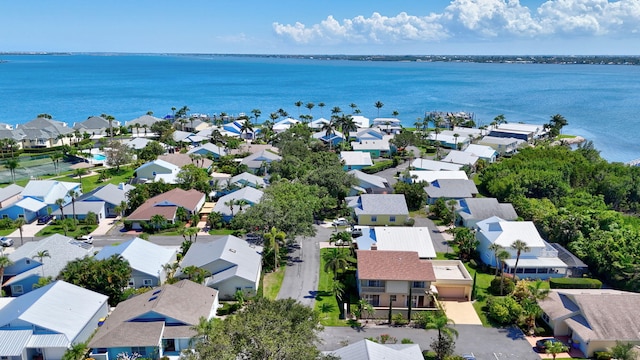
{"x":329,"y":129}
{"x":110,"y":119}
{"x":348,"y":126}
{"x":256,"y":114}
{"x":204,"y":329}
{"x":298,"y":104}
{"x":19,"y":223}
{"x":310,"y":106}
{"x":501,"y":256}
{"x":364,"y":306}
{"x":40,"y":256}
{"x":353,"y":107}
{"x":12,"y":164}
{"x":79,"y":173}
{"x":321,"y":105}
{"x":230,"y":204}
{"x":5,"y":262}
{"x":495,"y":247}
{"x":55,"y":157}
{"x":157,"y":221}
{"x":170,"y":269}
{"x":554,"y":348}
{"x":73,"y":194}
{"x":75,"y":352}
{"x":441,"y":323}
{"x":60,"y":203}
{"x":273,"y":239}
{"x":519,"y":246}
{"x":336,"y":260}
{"x":537,"y":290}
{"x":378,"y":106}
{"x":246,"y":128}
{"x":456,"y":136}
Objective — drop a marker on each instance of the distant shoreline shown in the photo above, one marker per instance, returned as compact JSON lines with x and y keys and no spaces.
{"x":482,"y":59}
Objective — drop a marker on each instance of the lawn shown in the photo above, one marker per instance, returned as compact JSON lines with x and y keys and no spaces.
{"x":272,"y":282}
{"x":483,"y":282}
{"x":221,"y":232}
{"x":57,"y":229}
{"x":326,"y":304}
{"x":91,"y":182}
{"x":6,"y":232}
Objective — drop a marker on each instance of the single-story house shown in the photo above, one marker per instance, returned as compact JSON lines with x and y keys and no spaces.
{"x":139,"y":143}
{"x":370,"y":184}
{"x":404,"y":238}
{"x":370,"y":350}
{"x":318,"y":124}
{"x":450,"y":189}
{"x":470,"y":211}
{"x":368,"y":134}
{"x":542,"y":262}
{"x":461,"y":157}
{"x":209,"y":149}
{"x":196,"y":125}
{"x":143,"y":122}
{"x":393,"y":279}
{"x":284,"y":125}
{"x":524,"y":135}
{"x":145,"y":258}
{"x":430,"y":176}
{"x":167,"y":205}
{"x":434,"y":165}
{"x":379,"y":209}
{"x":112,"y":196}
{"x":361,"y":121}
{"x":503,"y":145}
{"x":376,"y":148}
{"x":156,"y":323}
{"x":38,"y":198}
{"x":449,"y":141}
{"x":593,"y":319}
{"x":229,"y":205}
{"x":538,"y":130}
{"x":81,"y":209}
{"x":332,"y":139}
{"x":10,"y":194}
{"x":484,"y":152}
{"x":388,"y":125}
{"x":27,"y":268}
{"x":355,"y":160}
{"x":181,"y":160}
{"x":234,"y":264}
{"x":235,"y":127}
{"x":248,"y":179}
{"x":149,"y":171}
{"x":257,"y":161}
{"x":46,"y":322}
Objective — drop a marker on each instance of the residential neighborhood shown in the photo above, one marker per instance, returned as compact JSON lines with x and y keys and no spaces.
{"x":189,"y":222}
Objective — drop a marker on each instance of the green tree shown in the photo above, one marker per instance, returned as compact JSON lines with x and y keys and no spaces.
{"x":91,"y":218}
{"x":444,"y":344}
{"x":19,"y":224}
{"x":77,"y":351}
{"x":73,"y":194}
{"x":336,"y":260}
{"x":118,"y":154}
{"x":158,"y":221}
{"x":108,"y":276}
{"x":40,"y":255}
{"x":5,"y":262}
{"x":623,"y":351}
{"x":496,"y":248}
{"x":501,"y":256}
{"x":466,"y":241}
{"x":193,"y":177}
{"x":12,"y":164}
{"x":151,"y":151}
{"x":42,"y":281}
{"x":519,"y":246}
{"x":267,"y":329}
{"x":273,"y":239}
{"x":60,"y":203}
{"x":378,"y":106}
{"x":203,"y":329}
{"x":414,"y":193}
{"x":554,"y":348}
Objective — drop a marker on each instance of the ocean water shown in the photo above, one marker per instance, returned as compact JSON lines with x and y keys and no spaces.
{"x":600,"y":102}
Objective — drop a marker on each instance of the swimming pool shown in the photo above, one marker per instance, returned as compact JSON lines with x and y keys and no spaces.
{"x":99,"y":157}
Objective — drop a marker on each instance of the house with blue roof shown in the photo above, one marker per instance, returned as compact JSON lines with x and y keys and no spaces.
{"x":27,"y":268}
{"x":38,"y":198}
{"x":145,"y":258}
{"x":235,"y":127}
{"x":332,"y":139}
{"x":235,"y":265}
{"x":46,"y":322}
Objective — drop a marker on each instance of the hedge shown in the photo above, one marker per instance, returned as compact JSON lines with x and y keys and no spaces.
{"x":575,"y":283}
{"x":377,"y":167}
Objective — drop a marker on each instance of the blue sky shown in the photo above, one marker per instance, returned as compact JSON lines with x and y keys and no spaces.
{"x":571,"y":27}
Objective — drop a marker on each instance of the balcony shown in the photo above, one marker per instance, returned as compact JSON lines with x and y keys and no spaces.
{"x":372,"y":289}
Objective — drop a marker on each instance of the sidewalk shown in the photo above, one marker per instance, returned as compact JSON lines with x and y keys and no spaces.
{"x":104,"y":226}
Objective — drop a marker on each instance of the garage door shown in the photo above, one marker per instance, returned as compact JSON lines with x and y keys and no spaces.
{"x":450,"y":292}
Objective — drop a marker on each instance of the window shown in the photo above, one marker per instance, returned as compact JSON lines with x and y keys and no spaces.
{"x":374,"y":218}
{"x":375,"y":283}
{"x":139,"y":350}
{"x":530,"y":270}
{"x":392,"y":298}
{"x":132,"y":283}
{"x":238,"y":289}
{"x":392,"y":218}
{"x":147,"y":282}
{"x":545,"y":317}
{"x":17,"y":289}
{"x":418,"y":284}
{"x":374,"y":300}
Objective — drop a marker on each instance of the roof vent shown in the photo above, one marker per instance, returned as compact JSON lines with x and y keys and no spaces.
{"x":233,"y":250}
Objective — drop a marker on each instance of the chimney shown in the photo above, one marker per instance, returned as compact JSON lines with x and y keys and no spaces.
{"x":374,"y":246}
{"x":121,"y":186}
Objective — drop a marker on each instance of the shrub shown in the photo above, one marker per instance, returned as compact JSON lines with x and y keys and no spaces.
{"x":398,"y":320}
{"x":6,"y":224}
{"x":508,"y":286}
{"x":575,"y":283}
{"x":504,"y":310}
{"x":406,"y":341}
{"x":410,"y":222}
{"x":473,"y":264}
{"x":539,"y":331}
{"x":228,"y":309}
{"x":429,"y":355}
{"x":603,"y":355}
{"x":378,"y":166}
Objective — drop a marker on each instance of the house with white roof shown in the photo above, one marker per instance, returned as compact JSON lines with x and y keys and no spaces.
{"x":209,"y":149}
{"x":145,"y":258}
{"x":405,"y":238}
{"x":155,"y":324}
{"x":368,"y":134}
{"x":537,"y":130}
{"x":332,"y":139}
{"x":377,"y":148}
{"x":484,"y":152}
{"x":234,"y":264}
{"x":369,"y":350}
{"x":81,"y":209}
{"x":284,"y":125}
{"x":542,"y":262}
{"x":448,"y":140}
{"x":27,"y":268}
{"x":235,"y":127}
{"x":434,"y":165}
{"x":470,"y":211}
{"x":140,"y":143}
{"x":355,"y":160}
{"x":379,"y":209}
{"x":188,"y":138}
{"x":388,"y":125}
{"x":236,"y":202}
{"x":503,"y":145}
{"x":430,"y":176}
{"x":318,"y":124}
{"x":10,"y":194}
{"x":361,"y":121}
{"x":149,"y":171}
{"x":46,"y":322}
{"x":368,"y":183}
{"x":461,"y":157}
{"x":38,"y":198}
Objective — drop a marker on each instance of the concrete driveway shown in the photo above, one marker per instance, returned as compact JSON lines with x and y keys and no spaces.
{"x":461,"y":312}
{"x":484,"y":343}
{"x":302,"y":273}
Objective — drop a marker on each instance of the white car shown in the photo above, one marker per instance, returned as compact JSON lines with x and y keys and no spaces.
{"x":86,"y":239}
{"x":340,"y":222}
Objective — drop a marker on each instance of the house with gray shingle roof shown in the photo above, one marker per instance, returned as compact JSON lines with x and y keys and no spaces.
{"x":96,"y":126}
{"x":156,"y":323}
{"x":461,"y":157}
{"x":450,"y":189}
{"x":138,"y":123}
{"x":44,"y":133}
{"x":229,"y":205}
{"x":81,"y":209}
{"x":27,"y":269}
{"x":46,"y":322}
{"x":369,"y":350}
{"x":234,"y":265}
{"x":209,"y":149}
{"x":379,"y":209}
{"x":257,"y":160}
{"x":470,"y":211}
{"x":593,"y":319}
{"x":145,"y":258}
{"x":111,"y":195}
{"x":10,"y":194}
{"x":368,"y":183}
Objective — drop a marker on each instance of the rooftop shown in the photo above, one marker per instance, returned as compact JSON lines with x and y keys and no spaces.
{"x":393,"y":265}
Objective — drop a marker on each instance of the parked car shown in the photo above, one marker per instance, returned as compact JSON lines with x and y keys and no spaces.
{"x":469,"y":356}
{"x":541,"y":345}
{"x":340,"y":222}
{"x":355,"y":231}
{"x":86,"y":239}
{"x":43,"y":220}
{"x":6,"y":242}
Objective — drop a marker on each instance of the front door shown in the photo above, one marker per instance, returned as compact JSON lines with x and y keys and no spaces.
{"x":169,"y":345}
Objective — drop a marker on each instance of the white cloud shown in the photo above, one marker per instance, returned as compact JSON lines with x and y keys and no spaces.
{"x":484,"y":19}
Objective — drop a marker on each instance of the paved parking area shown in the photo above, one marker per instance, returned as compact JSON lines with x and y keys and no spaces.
{"x":484,"y":343}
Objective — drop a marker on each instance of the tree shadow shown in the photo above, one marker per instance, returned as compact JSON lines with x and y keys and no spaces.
{"x":317,"y":295}
{"x":513,"y":333}
{"x":326,"y":308}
